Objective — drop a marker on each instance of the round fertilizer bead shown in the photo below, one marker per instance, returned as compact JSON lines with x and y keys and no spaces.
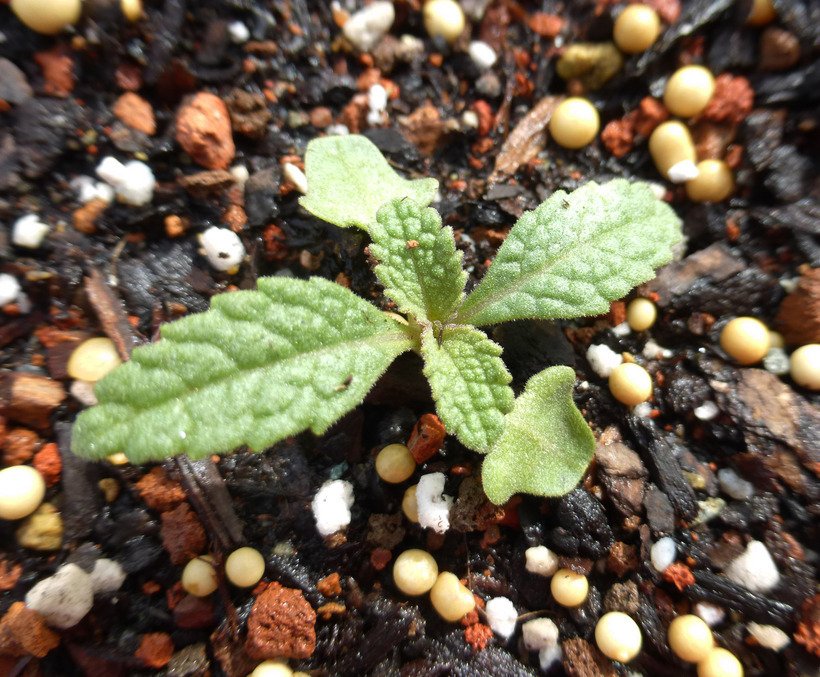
{"x":671,"y":144}
{"x":569,"y":589}
{"x":415,"y":572}
{"x":132,"y":9}
{"x":199,"y":577}
{"x":22,"y":489}
{"x":409,"y":504}
{"x":574,"y":123}
{"x":618,"y":636}
{"x":272,"y":668}
{"x":688,"y":91}
{"x":450,"y":598}
{"x":630,"y":384}
{"x":745,"y":339}
{"x":690,"y":638}
{"x":636,"y":29}
{"x":720,"y":663}
{"x":444,"y":18}
{"x":47,"y":16}
{"x":245,"y":567}
{"x":714,"y":182}
{"x":641,"y":314}
{"x":395,"y":463}
{"x":804,"y":366}
{"x":761,"y":13}
{"x":93,"y":359}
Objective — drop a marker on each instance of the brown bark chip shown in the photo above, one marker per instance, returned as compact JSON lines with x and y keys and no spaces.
{"x":281,"y":625}
{"x":155,"y":650}
{"x":799,"y":316}
{"x":183,"y":536}
{"x":160,"y":492}
{"x":581,"y":659}
{"x":136,"y":112}
{"x":23,"y":632}
{"x":204,"y":131}
{"x":58,"y":71}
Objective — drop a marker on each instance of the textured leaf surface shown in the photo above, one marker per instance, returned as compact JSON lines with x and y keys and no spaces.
{"x":420,"y":267}
{"x":257,"y":367}
{"x":546,"y":445}
{"x":575,"y":254}
{"x":469,"y":384}
{"x":349,"y":179}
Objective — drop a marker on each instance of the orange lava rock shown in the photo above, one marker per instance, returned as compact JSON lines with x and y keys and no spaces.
{"x":160,"y":492}
{"x":155,"y":650}
{"x":799,"y":316}
{"x":128,"y":76}
{"x":85,"y":218}
{"x":622,"y":559}
{"x":679,"y":575}
{"x":183,"y":536}
{"x":281,"y":625}
{"x":275,"y":247}
{"x":477,"y":635}
{"x":136,"y":112}
{"x":321,"y":117}
{"x":617,"y":136}
{"x":23,"y":632}
{"x":19,"y":446}
{"x":427,"y":437}
{"x":49,"y":463}
{"x":732,"y":101}
{"x":546,"y":25}
{"x":808,"y":630}
{"x":9,"y":574}
{"x":330,"y":609}
{"x":354,"y":114}
{"x":329,"y":585}
{"x":424,"y":128}
{"x":58,"y":71}
{"x":204,"y":131}
{"x":486,"y":119}
{"x":650,"y":113}
{"x":235,"y":218}
{"x":380,"y":558}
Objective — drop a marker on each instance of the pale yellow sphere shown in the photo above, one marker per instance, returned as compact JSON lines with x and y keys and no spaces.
{"x":93,"y":359}
{"x":720,"y":663}
{"x":761,"y":13}
{"x":745,"y":339}
{"x":630,"y":384}
{"x":395,"y":463}
{"x":574,"y":123}
{"x":714,"y":182}
{"x":199,"y":576}
{"x":22,"y":489}
{"x":618,"y":636}
{"x":415,"y":572}
{"x":118,"y":459}
{"x":804,"y":366}
{"x":450,"y":598}
{"x":641,"y":314}
{"x":272,"y":668}
{"x":669,"y":144}
{"x":636,"y":29}
{"x":47,"y":16}
{"x":132,"y":9}
{"x":690,"y":638}
{"x":688,"y":91}
{"x":245,"y":567}
{"x":410,"y":505}
{"x":569,"y":589}
{"x":776,"y":340}
{"x":444,"y":18}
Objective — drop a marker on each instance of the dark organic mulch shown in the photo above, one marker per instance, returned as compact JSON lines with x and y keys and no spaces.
{"x":129,"y":273}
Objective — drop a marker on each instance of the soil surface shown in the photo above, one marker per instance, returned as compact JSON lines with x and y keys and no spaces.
{"x":196,"y":89}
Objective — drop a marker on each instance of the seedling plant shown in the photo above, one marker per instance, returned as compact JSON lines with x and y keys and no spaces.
{"x":294,"y":355}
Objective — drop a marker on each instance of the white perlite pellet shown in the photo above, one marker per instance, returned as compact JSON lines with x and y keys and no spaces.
{"x":64,"y":598}
{"x":366,"y":27}
{"x":539,"y":633}
{"x":706,"y":411}
{"x":621,"y":330}
{"x":711,"y":614}
{"x":331,"y":506}
{"x":603,"y":359}
{"x":295,"y":176}
{"x":433,"y":505}
{"x":133,"y":181}
{"x":107,"y":576}
{"x":28,"y":231}
{"x":683,"y":171}
{"x":734,"y":485}
{"x":9,"y":289}
{"x":483,"y":56}
{"x":223,"y":248}
{"x":501,"y":616}
{"x":769,"y":636}
{"x":238,"y":32}
{"x":541,"y":560}
{"x":754,"y":569}
{"x":663,"y":553}
{"x":548,"y":656}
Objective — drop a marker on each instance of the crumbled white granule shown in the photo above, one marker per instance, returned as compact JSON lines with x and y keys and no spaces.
{"x":706,"y":411}
{"x":64,"y":598}
{"x":433,"y":505}
{"x":734,"y":485}
{"x":9,"y":289}
{"x":769,"y":636}
{"x":643,"y":409}
{"x":223,"y":248}
{"x":603,"y":359}
{"x":107,"y":576}
{"x":331,"y":506}
{"x":652,"y":351}
{"x":539,"y":633}
{"x":549,"y":656}
{"x":501,"y":616}
{"x":754,"y":569}
{"x":238,"y":32}
{"x":296,"y":176}
{"x":483,"y":56}
{"x":685,"y":170}
{"x":28,"y":231}
{"x":541,"y":560}
{"x":621,"y":330}
{"x":366,"y":27}
{"x":133,"y":181}
{"x":663,"y":553}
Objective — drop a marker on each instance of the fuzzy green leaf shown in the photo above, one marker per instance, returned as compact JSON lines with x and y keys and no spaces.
{"x":420,"y":267}
{"x":575,"y":254}
{"x":256,"y":368}
{"x":546,"y":445}
{"x":349,"y":179}
{"x":469,"y":384}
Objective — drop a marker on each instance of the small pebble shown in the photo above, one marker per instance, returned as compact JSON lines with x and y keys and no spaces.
{"x":245,"y":567}
{"x":541,"y":560}
{"x":539,"y":633}
{"x":735,"y":486}
{"x":769,"y":636}
{"x":238,"y":32}
{"x":804,"y":366}
{"x":331,"y":506}
{"x":9,"y":289}
{"x":706,"y":411}
{"x":755,"y":569}
{"x":720,"y":663}
{"x":569,"y":589}
{"x":690,"y":638}
{"x":603,"y":359}
{"x":93,"y":359}
{"x":240,"y":174}
{"x":501,"y":616}
{"x":470,"y":120}
{"x":450,"y":598}
{"x":223,"y":248}
{"x":433,"y":505}
{"x":29,"y":232}
{"x":64,"y":598}
{"x":395,"y":463}
{"x":367,"y":26}
{"x":483,"y":56}
{"x":199,"y":576}
{"x":415,"y":572}
{"x":663,"y":553}
{"x":776,"y":361}
{"x":443,"y":18}
{"x":618,"y":636}
{"x":22,"y":489}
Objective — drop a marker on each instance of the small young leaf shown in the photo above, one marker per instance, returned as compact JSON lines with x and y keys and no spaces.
{"x":420,"y":267}
{"x":256,"y":368}
{"x":349,"y":179}
{"x":546,"y":445}
{"x":469,"y":384}
{"x":575,"y":254}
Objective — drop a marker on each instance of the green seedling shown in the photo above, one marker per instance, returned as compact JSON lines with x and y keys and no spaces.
{"x":297,"y":355}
